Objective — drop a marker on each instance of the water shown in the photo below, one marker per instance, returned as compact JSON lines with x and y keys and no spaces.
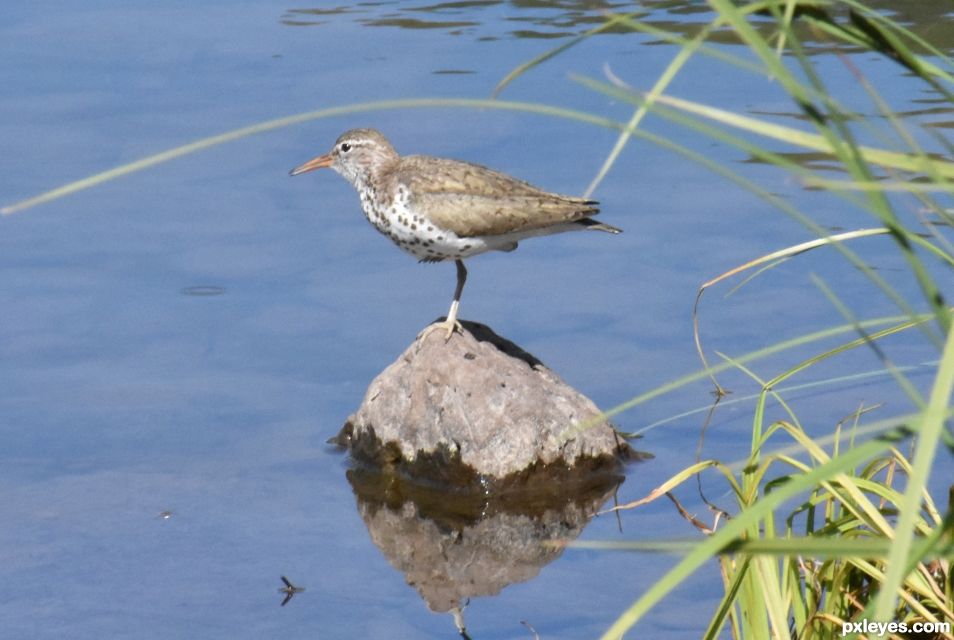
{"x":177,"y":346}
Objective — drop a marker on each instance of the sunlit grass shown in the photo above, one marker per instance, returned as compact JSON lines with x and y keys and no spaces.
{"x":857,"y":547}
{"x":296,"y":119}
{"x":883,"y":547}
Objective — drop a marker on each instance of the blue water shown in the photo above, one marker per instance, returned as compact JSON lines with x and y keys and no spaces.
{"x":176,"y":346}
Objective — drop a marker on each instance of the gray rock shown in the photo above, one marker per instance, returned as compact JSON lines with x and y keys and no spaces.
{"x":479,"y":400}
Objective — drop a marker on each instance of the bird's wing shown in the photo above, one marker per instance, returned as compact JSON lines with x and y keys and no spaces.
{"x":425,"y":174}
{"x":469,"y":216}
{"x":472,"y":200}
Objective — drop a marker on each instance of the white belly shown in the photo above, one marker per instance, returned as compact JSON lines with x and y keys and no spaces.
{"x":419,"y":237}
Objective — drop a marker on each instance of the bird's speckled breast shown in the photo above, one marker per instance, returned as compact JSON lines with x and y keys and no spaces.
{"x":412,"y":232}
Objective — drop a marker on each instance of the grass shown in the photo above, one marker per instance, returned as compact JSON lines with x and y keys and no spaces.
{"x":819,"y":538}
{"x":836,"y":527}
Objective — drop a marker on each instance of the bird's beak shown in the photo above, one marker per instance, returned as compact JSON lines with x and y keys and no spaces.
{"x":315,"y":163}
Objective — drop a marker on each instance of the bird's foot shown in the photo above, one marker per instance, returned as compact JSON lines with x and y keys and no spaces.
{"x":450,"y":326}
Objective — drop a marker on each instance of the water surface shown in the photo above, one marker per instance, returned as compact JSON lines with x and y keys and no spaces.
{"x":177,"y":346}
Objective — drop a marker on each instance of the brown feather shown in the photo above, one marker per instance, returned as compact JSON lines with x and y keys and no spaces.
{"x":473,"y":200}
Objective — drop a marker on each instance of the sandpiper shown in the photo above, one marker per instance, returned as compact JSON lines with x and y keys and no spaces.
{"x":439,"y":209}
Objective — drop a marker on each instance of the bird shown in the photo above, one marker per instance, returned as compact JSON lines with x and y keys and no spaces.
{"x":439,"y":209}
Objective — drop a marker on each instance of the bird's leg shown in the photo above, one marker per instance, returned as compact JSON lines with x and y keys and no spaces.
{"x":451,"y":324}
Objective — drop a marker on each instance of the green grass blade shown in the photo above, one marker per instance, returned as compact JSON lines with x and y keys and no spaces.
{"x":728,"y":600}
{"x":708,"y":548}
{"x":278,"y":123}
{"x":771,"y":198}
{"x":818,"y":547}
{"x":825,"y":384}
{"x":751,"y":356}
{"x":665,"y":79}
{"x":928,"y":438}
{"x":812,"y":141}
{"x":611,"y":22}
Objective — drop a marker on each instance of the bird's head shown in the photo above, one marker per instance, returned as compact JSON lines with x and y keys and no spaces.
{"x":358,"y":155}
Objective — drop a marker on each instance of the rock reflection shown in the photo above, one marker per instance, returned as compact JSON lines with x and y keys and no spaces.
{"x":453,"y":546}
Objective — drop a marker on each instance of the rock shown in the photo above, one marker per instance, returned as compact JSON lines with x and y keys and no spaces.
{"x":481,"y":401}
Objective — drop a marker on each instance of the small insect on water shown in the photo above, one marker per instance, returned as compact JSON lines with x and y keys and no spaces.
{"x":289,"y":590}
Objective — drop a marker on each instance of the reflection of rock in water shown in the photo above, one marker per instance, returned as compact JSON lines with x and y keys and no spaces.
{"x":481,"y":400}
{"x":452,"y":546}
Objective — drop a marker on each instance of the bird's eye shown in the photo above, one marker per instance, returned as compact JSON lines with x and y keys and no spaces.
{"x":345,"y":147}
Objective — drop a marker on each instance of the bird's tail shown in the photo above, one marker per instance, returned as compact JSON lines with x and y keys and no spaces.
{"x":596,"y":225}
